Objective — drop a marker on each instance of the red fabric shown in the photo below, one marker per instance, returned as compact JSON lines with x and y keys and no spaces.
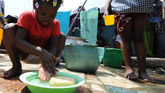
{"x":38,"y":35}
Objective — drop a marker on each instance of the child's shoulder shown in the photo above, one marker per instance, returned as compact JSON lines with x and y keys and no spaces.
{"x":28,"y":13}
{"x":55,"y":21}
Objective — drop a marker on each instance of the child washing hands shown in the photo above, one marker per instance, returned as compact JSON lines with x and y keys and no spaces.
{"x":44,"y":74}
{"x":36,"y":33}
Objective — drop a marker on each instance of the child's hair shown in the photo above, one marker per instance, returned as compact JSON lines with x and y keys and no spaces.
{"x":54,"y":3}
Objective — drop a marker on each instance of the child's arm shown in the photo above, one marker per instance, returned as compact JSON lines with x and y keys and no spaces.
{"x":57,"y":44}
{"x":22,"y":44}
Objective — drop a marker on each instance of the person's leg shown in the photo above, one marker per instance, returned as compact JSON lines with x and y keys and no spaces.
{"x":13,"y":52}
{"x":139,"y":24}
{"x":126,"y":50}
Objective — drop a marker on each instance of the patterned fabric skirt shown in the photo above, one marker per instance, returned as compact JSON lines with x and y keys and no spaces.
{"x":132,"y":6}
{"x":120,"y":21}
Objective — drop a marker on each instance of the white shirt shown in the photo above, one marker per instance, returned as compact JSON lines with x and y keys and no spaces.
{"x":2,"y":5}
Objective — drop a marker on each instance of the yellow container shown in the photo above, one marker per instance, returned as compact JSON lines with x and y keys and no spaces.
{"x":109,"y":20}
{"x":1,"y":35}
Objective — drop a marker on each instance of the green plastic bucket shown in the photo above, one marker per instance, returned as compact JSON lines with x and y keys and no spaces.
{"x":113,"y":57}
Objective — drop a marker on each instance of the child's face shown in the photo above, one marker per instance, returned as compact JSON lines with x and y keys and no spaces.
{"x":46,"y":14}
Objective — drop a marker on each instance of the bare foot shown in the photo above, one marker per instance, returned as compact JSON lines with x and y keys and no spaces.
{"x":13,"y":72}
{"x":144,"y":77}
{"x":129,"y":73}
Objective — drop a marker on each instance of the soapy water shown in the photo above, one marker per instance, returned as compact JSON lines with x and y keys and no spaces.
{"x":34,"y":80}
{"x":38,"y":81}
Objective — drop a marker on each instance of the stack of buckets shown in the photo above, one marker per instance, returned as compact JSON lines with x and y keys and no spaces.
{"x":112,"y":56}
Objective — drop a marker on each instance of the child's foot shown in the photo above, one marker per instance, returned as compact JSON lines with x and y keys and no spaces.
{"x":11,"y":73}
{"x":130,"y":74}
{"x":144,"y":77}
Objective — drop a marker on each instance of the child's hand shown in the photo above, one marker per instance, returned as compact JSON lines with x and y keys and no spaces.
{"x":48,"y":61}
{"x":44,"y":75}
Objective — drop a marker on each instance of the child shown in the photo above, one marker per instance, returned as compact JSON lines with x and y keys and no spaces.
{"x":37,"y":33}
{"x":130,"y":25}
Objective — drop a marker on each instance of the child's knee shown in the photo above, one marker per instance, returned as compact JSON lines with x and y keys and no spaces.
{"x":8,"y":29}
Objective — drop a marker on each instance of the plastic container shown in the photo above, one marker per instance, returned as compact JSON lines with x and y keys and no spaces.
{"x":113,"y":57}
{"x":35,"y":85}
{"x":81,"y":58}
{"x":101,"y":53}
{"x":1,"y":36}
{"x":109,"y":20}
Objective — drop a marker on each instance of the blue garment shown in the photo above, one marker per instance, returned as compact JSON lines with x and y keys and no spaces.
{"x":64,"y":18}
{"x":76,"y":25}
{"x":156,"y":18}
{"x":132,"y":6}
{"x":77,"y":22}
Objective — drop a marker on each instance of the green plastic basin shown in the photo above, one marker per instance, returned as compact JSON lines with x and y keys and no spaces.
{"x":81,"y":58}
{"x":35,"y":85}
{"x":113,"y":57}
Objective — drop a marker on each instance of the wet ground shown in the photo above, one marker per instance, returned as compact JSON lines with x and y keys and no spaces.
{"x":105,"y":80}
{"x":157,"y":87}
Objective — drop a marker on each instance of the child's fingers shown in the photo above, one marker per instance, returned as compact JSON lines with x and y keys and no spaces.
{"x":40,"y":75}
{"x":44,"y":75}
{"x":48,"y":75}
